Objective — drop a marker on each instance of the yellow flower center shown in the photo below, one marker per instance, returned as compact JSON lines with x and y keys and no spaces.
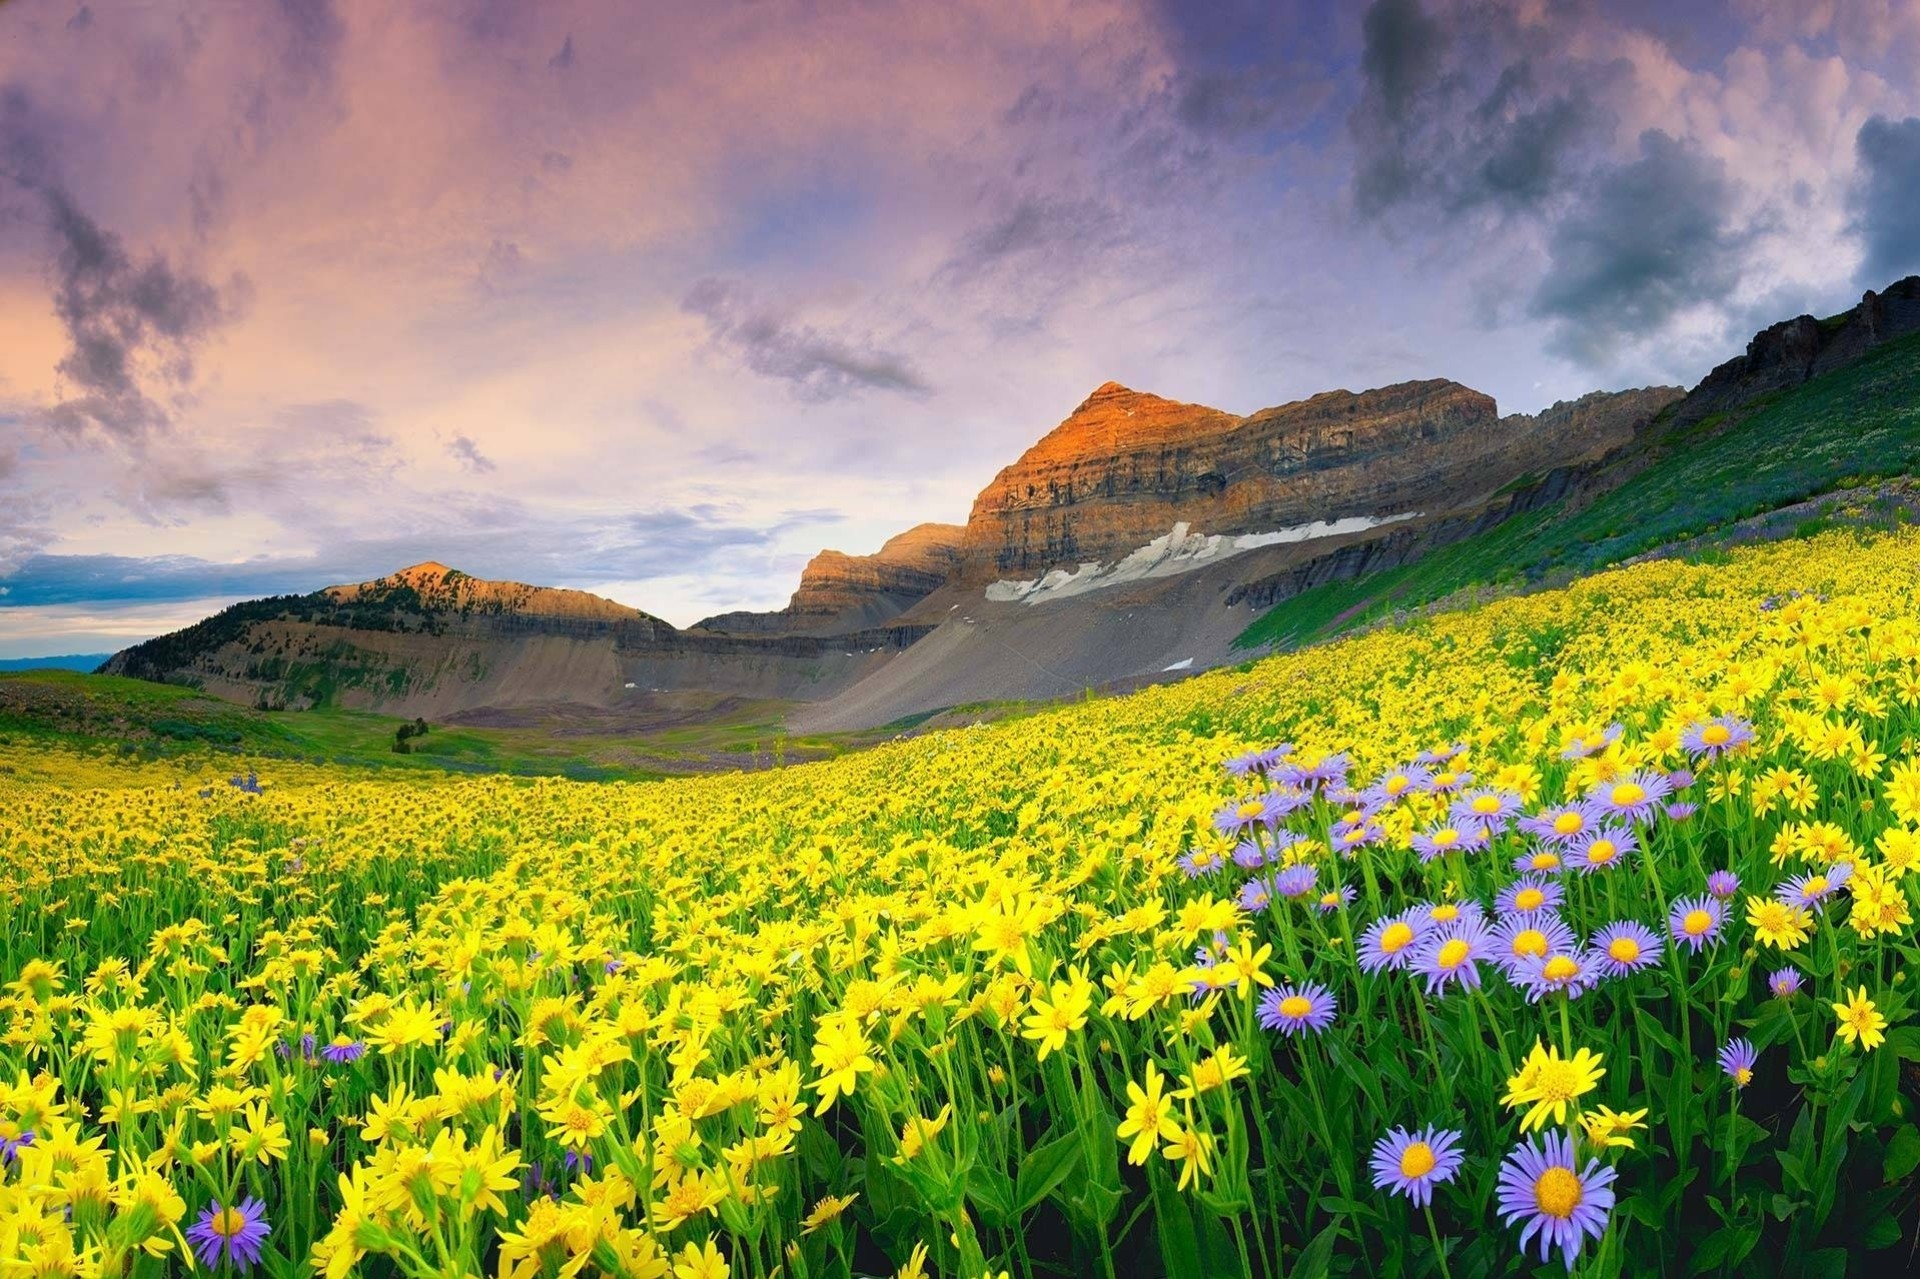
{"x":1697,"y":923}
{"x":1544,"y":860}
{"x":1251,"y":808}
{"x":1446,"y":837}
{"x":1417,"y":1160}
{"x":1716,"y":735}
{"x":1295,"y":1006}
{"x":1398,"y":937}
{"x":1602,"y":851}
{"x":1397,"y":783}
{"x":1486,"y":804}
{"x":1557,"y":1192}
{"x":1453,"y":954}
{"x":1816,"y":885}
{"x":1445,"y":913}
{"x":1624,"y":949}
{"x":229,"y":1222}
{"x":1743,"y":1076}
{"x":1629,"y":793}
{"x":1560,"y":968}
{"x":1530,"y":941}
{"x":1529,"y":899}
{"x":1568,"y":822}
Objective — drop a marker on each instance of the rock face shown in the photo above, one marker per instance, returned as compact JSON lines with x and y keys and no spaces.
{"x":1797,"y":350}
{"x":1126,"y":466}
{"x":840,"y":592}
{"x":433,"y":588}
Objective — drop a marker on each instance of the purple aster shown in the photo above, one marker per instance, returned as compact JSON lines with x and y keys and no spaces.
{"x":10,"y":1147}
{"x":1695,"y":921}
{"x":1486,"y":806}
{"x":1583,"y":745}
{"x":1605,"y":848}
{"x":1543,"y":1186}
{"x":1716,"y":737}
{"x":1348,"y":835}
{"x":1785,"y":983}
{"x":1634,"y":796}
{"x":1526,"y":937}
{"x":613,"y":966}
{"x":1389,"y":943}
{"x":1447,"y":779}
{"x":230,"y":1235}
{"x":1723,"y":884}
{"x":1248,"y":854}
{"x":1295,"y":881}
{"x":1292,"y":1009}
{"x":1413,"y":1163}
{"x":1260,"y":761}
{"x":1559,"y":972}
{"x":1435,"y":914}
{"x":1810,"y":891}
{"x":1446,"y":837}
{"x":1529,"y":895}
{"x":1196,"y":862}
{"x":1680,"y":778}
{"x":1563,"y":824}
{"x":1680,"y":810}
{"x":1396,"y":782}
{"x":1452,"y":953}
{"x":1542,"y":860}
{"x":1244,"y":814}
{"x":1737,"y":1060}
{"x":1255,"y":895}
{"x":1334,"y":898}
{"x":1626,"y":947}
{"x":1442,"y":755}
{"x":343,"y":1050}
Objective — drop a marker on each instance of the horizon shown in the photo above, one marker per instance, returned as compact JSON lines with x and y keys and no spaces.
{"x":658,"y":306}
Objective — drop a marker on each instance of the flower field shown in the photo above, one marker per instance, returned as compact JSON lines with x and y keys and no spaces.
{"x":1570,"y":933}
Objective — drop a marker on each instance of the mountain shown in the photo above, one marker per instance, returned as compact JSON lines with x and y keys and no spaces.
{"x":1139,"y":538}
{"x":63,"y":662}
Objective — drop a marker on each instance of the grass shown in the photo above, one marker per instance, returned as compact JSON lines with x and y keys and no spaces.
{"x":1852,"y":425}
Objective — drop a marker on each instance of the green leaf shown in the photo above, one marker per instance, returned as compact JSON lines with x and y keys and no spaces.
{"x":1173,"y":1222}
{"x":1317,"y":1256}
{"x":1044,"y":1169}
{"x":1882,"y":1232}
{"x":991,"y":1191}
{"x":1905,"y":1042}
{"x":1903,"y":1154}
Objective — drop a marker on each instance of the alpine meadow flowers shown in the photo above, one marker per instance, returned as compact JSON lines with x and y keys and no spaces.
{"x":1575,"y":928}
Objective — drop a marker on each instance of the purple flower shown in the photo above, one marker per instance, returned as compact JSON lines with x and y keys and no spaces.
{"x":1255,"y":895}
{"x":1358,"y":834}
{"x":1334,"y":898}
{"x":1452,"y":953}
{"x":1260,"y":761}
{"x":1487,"y":807}
{"x":1626,"y":947}
{"x":1442,"y":755}
{"x":1696,"y":921}
{"x":1680,"y":810}
{"x":1634,"y":796}
{"x":1295,"y":881}
{"x":10,"y":1147}
{"x":1811,"y":891}
{"x":230,"y":1235}
{"x":1603,"y":849}
{"x":1196,"y":862}
{"x":1447,"y":837}
{"x":1560,"y":972}
{"x":1292,"y":1009}
{"x":1680,"y":778}
{"x":1248,"y":854}
{"x":1413,"y":1163}
{"x":1564,"y":824}
{"x":1542,"y":1186}
{"x":1529,"y":895}
{"x":1523,"y":938}
{"x":1543,"y":860}
{"x":1389,"y":943}
{"x":1737,"y":1060}
{"x":1723,"y":884}
{"x":1785,"y":983}
{"x":1396,"y":782}
{"x":1244,"y":814}
{"x":1583,"y":745}
{"x":1436,"y":914}
{"x":343,"y":1050}
{"x":1716,"y":737}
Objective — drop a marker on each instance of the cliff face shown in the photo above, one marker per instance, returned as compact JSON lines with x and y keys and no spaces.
{"x":1125,"y":467}
{"x":433,"y":588}
{"x":840,"y":592}
{"x":1797,"y":350}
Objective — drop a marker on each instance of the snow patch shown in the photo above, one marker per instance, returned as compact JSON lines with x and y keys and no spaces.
{"x":1179,"y":551}
{"x":1184,"y":664}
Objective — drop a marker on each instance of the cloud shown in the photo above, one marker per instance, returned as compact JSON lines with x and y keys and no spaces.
{"x":1650,"y":238}
{"x":820,"y":365}
{"x":563,"y":60}
{"x":1886,"y":201}
{"x":468,"y":455}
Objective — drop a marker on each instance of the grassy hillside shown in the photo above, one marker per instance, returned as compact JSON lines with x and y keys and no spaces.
{"x":1858,"y":423}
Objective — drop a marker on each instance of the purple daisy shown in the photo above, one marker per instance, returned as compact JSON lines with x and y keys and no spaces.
{"x":1295,"y":881}
{"x":1696,"y":921}
{"x":1526,"y":937}
{"x":1441,"y":754}
{"x":1389,"y":943}
{"x":1334,"y":898}
{"x":1255,"y":895}
{"x":1716,"y":737}
{"x":230,"y":1235}
{"x":1396,"y":782}
{"x":1446,"y":780}
{"x":1292,"y":1009}
{"x":1560,"y":972}
{"x":1564,"y":824}
{"x":1542,"y":1186}
{"x":1249,"y":854}
{"x":1680,"y":778}
{"x":1529,"y":895}
{"x":1452,"y":953}
{"x":1543,"y":860}
{"x":1810,"y":891}
{"x":1449,"y":837}
{"x":1626,"y":947}
{"x":1584,"y":744}
{"x":343,"y":1050}
{"x":1634,"y":796}
{"x":1486,"y":806}
{"x":1737,"y":1060}
{"x":1604,"y":849}
{"x":1260,"y":761}
{"x":1243,"y":815}
{"x":1681,"y":810}
{"x":1348,"y":836}
{"x":11,"y":1146}
{"x":1413,"y":1163}
{"x":1785,"y":983}
{"x":1723,"y":884}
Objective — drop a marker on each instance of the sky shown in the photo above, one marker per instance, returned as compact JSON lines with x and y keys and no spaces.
{"x":658,"y":299}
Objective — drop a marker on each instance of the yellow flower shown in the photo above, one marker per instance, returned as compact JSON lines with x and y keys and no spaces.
{"x":1547,"y":1084}
{"x":1607,"y":1128}
{"x":826,"y":1210}
{"x":1775,"y":923}
{"x":1050,"y":1022}
{"x":1860,"y":1021}
{"x":840,"y":1052}
{"x":1149,"y":1116}
{"x":1192,"y":1149}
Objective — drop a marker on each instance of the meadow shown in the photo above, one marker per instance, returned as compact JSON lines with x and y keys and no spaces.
{"x":1566,"y":934}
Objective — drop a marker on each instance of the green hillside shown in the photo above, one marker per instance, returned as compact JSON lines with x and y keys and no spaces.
{"x":1856,"y":424}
